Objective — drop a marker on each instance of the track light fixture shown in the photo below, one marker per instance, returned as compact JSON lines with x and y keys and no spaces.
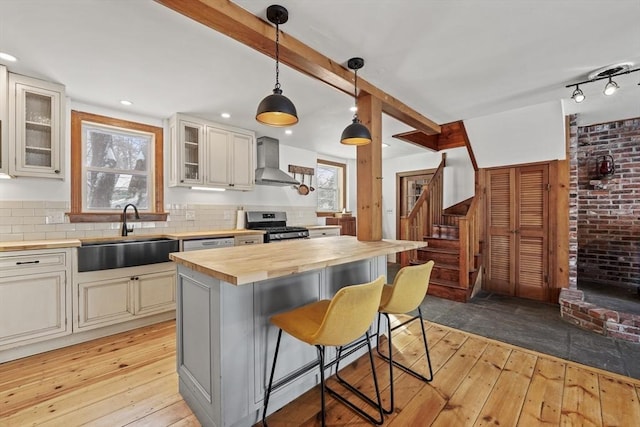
{"x":577,"y":95}
{"x":610,"y":87}
{"x":356,"y":133}
{"x":276,"y":109}
{"x":607,"y":73}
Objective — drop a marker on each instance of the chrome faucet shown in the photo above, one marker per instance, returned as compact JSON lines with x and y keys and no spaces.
{"x":126,"y":230}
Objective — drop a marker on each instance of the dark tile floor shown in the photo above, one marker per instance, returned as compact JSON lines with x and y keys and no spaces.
{"x":535,"y":326}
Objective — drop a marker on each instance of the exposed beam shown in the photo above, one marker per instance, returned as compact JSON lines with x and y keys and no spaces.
{"x":237,"y":23}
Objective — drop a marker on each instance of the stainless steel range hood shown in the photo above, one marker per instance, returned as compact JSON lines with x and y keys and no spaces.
{"x":268,"y":171}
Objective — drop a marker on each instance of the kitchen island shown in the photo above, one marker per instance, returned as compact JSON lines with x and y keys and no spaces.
{"x":225,"y":297}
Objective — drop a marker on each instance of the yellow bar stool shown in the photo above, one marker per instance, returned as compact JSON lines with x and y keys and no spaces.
{"x":404,"y":296}
{"x":338,"y":322}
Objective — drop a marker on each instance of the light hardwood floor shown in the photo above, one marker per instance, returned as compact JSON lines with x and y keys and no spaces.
{"x":129,"y":380}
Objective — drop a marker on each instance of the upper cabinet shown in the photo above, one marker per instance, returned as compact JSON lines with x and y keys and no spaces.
{"x":36,"y":127}
{"x":4,"y":122}
{"x":209,"y":154}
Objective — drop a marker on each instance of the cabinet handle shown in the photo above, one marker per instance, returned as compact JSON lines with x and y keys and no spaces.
{"x":182,"y":180}
{"x":57,"y":171}
{"x":231,"y":185}
{"x":27,"y":262}
{"x":134,"y":278}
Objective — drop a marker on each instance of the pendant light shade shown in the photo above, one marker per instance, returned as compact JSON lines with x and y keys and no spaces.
{"x":356,"y":133}
{"x":276,"y":109}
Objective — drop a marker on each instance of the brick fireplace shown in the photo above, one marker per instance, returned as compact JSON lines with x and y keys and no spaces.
{"x":604,"y":223}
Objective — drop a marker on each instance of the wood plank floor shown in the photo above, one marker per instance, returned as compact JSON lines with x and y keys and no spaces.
{"x":129,"y":379}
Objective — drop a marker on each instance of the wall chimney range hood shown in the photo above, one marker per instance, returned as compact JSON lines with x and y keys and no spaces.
{"x":268,"y":157}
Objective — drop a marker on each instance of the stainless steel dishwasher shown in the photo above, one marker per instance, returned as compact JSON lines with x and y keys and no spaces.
{"x":198,"y":244}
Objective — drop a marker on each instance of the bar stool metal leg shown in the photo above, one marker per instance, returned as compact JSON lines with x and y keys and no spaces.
{"x":273,"y":370}
{"x":392,"y":362}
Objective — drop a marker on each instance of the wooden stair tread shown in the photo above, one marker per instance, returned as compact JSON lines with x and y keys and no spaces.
{"x":446,"y":283}
{"x":439,"y":250}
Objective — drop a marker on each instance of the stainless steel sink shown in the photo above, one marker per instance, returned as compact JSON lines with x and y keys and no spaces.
{"x":124,"y":253}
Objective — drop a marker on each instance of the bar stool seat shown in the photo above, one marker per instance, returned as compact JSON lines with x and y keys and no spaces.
{"x":404,"y":296}
{"x":338,"y":322}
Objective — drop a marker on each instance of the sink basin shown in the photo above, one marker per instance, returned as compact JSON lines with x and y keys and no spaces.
{"x":124,"y":253}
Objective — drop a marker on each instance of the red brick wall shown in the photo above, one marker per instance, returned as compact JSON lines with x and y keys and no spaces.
{"x":609,"y":217}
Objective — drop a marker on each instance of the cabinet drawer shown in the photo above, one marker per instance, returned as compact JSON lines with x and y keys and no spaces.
{"x":28,"y":262}
{"x":249,"y":240}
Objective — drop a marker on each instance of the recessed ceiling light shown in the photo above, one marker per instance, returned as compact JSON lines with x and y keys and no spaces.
{"x":225,"y":115}
{"x":385,"y":145}
{"x":125,"y":102}
{"x":353,"y":108}
{"x":288,"y":131}
{"x":8,"y":57}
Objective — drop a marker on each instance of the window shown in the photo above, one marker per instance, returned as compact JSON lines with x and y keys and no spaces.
{"x":113,"y":163}
{"x":332,"y":178}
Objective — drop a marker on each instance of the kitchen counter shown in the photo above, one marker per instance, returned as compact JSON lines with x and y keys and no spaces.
{"x":225,"y":298}
{"x":27,"y":245}
{"x":320,"y":227}
{"x":212,"y":233}
{"x":247,"y":264}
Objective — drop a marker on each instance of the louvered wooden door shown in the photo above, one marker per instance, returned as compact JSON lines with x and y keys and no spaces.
{"x":517,"y":227}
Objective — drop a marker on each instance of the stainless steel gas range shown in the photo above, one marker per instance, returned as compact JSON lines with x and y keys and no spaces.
{"x":275,"y":225}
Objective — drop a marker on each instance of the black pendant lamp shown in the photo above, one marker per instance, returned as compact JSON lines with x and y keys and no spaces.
{"x":277,"y":110}
{"x":356,"y":133}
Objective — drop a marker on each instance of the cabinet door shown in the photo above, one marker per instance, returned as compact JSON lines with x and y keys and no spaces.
{"x":242,"y":168}
{"x":4,"y":122}
{"x":35,"y":109}
{"x":517,"y":228}
{"x":105,"y":302}
{"x":218,"y":155}
{"x":154,"y":293}
{"x":32,"y":307}
{"x":191,"y":137}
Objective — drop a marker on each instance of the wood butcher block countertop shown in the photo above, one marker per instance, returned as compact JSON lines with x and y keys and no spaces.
{"x":38,"y":244}
{"x":246,"y":264}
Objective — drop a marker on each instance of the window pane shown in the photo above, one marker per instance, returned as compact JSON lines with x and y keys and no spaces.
{"x":107,"y":190}
{"x":116,"y":168}
{"x":329,"y":188}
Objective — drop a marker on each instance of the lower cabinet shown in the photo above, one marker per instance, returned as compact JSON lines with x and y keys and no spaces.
{"x":34,"y":296}
{"x":113,"y":296}
{"x":348,"y":224}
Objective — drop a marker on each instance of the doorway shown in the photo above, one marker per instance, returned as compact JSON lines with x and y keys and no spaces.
{"x":409,"y":186}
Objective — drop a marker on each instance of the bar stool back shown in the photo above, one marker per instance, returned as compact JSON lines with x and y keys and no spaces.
{"x":337,"y":322}
{"x":404,"y":296}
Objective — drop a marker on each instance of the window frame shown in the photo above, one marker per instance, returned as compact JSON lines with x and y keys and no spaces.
{"x":156,"y":209}
{"x":343,"y":190}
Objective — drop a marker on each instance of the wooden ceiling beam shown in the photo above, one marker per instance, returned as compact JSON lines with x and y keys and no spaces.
{"x":232,"y":20}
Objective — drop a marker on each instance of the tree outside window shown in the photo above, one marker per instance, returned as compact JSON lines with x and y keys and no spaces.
{"x":331,"y":179}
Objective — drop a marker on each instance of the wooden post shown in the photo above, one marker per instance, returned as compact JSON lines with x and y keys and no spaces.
{"x":369,"y":171}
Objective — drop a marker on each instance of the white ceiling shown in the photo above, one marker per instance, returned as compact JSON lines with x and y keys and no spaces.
{"x":449,"y":60}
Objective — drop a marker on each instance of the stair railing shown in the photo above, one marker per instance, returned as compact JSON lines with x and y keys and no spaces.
{"x":426,"y":212}
{"x":470,"y":228}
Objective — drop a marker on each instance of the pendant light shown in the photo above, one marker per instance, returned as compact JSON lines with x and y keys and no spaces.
{"x":276,"y":109}
{"x":356,"y":133}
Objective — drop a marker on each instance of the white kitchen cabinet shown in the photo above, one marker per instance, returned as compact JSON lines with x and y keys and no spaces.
{"x":109,"y":297}
{"x":36,"y":127}
{"x":35,"y":296}
{"x":209,"y":154}
{"x":4,"y":122}
{"x":323,"y":232}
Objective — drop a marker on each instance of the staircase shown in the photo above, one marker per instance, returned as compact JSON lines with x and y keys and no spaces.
{"x":453,"y":239}
{"x":444,"y":248}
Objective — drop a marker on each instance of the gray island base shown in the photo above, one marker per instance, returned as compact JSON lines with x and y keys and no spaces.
{"x":225,"y":342}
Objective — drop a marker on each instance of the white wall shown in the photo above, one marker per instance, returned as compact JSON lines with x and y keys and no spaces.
{"x":526,"y":135}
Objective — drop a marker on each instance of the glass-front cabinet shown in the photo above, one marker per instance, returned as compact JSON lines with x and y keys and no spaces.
{"x":36,"y":116}
{"x":209,"y":154}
